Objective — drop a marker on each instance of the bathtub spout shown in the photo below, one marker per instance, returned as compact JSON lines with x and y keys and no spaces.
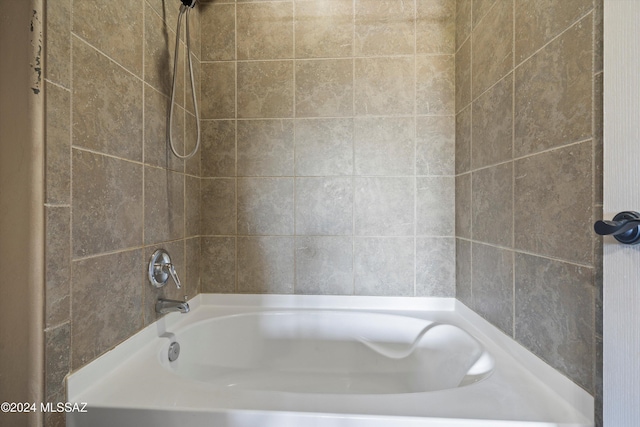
{"x":164,"y":306}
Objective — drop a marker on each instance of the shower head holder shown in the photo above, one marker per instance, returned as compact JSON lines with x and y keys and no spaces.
{"x":189,"y":3}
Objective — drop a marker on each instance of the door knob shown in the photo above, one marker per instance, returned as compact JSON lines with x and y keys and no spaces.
{"x":625,"y":227}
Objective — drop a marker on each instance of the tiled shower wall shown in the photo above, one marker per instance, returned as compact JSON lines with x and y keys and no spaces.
{"x":528,"y":175}
{"x":113,"y":193}
{"x":328,"y":157}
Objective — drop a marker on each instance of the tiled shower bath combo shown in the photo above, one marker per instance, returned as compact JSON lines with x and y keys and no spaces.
{"x":391,"y":148}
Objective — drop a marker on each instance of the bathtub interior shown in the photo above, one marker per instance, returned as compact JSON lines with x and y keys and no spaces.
{"x":328,"y":352}
{"x":502,"y":383}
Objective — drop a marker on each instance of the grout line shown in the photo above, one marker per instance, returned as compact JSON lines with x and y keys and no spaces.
{"x":58,"y":85}
{"x":513,"y":170}
{"x":524,"y":252}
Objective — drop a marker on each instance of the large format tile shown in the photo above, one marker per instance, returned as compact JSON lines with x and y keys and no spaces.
{"x":107,"y":204}
{"x":435,"y":145}
{"x":218,"y":90}
{"x":435,"y":206}
{"x":323,"y":29}
{"x":324,"y":147}
{"x":463,"y":76}
{"x":435,"y":84}
{"x":266,"y":264}
{"x":554,"y":314}
{"x":107,"y":105}
{"x":324,"y":265}
{"x":264,"y":30}
{"x":384,"y":86}
{"x":463,"y":21}
{"x":218,"y":147}
{"x":492,"y":279}
{"x":218,"y":265}
{"x":492,"y":205}
{"x":384,"y":206}
{"x":384,"y":27}
{"x":115,"y":27}
{"x":553,"y":92}
{"x":265,"y":148}
{"x":384,"y":266}
{"x":265,"y":89}
{"x":324,"y":206}
{"x":324,"y":88}
{"x":106,"y":303}
{"x":492,"y":41}
{"x":492,"y":125}
{"x":265,"y":206}
{"x":538,"y":22}
{"x":219,"y":28}
{"x":218,"y":206}
{"x":436,"y":267}
{"x":163,"y":205}
{"x":436,"y":26}
{"x":553,"y":213}
{"x":156,"y":146}
{"x":384,"y":146}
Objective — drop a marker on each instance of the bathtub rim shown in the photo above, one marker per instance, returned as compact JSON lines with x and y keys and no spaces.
{"x":87,"y":377}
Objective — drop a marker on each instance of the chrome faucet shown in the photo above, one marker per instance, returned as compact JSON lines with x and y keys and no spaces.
{"x":164,"y":306}
{"x":160,"y":269}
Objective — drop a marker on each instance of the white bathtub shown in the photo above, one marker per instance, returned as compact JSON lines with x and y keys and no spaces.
{"x":281,"y":361}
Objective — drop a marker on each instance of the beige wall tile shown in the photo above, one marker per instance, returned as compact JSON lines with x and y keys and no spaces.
{"x":384,"y":206}
{"x":435,"y":267}
{"x":435,"y":84}
{"x":492,"y":125}
{"x":378,"y":78}
{"x":324,"y":206}
{"x":219,"y":28}
{"x":57,"y":363}
{"x":110,"y":122}
{"x":543,"y":307}
{"x":265,"y":89}
{"x":218,"y":148}
{"x":117,"y":32}
{"x":463,"y":21}
{"x":97,"y":327}
{"x":463,"y":76}
{"x":58,"y":145}
{"x":463,"y":206}
{"x":384,"y":146}
{"x":323,"y":29}
{"x":435,"y":145}
{"x":265,"y":148}
{"x":492,"y":56}
{"x":492,"y":279}
{"x":107,"y":204}
{"x":159,"y":51}
{"x":192,"y":221}
{"x":492,"y":205}
{"x":324,"y":88}
{"x":537,"y":22}
{"x":218,"y":90}
{"x":436,"y":26}
{"x":480,"y":8}
{"x":463,"y":141}
{"x":323,"y":147}
{"x":384,"y":27}
{"x":218,"y":206}
{"x":266,"y":265}
{"x":553,"y":209}
{"x":156,"y":147}
{"x":265,"y":30}
{"x":553,"y":92}
{"x":324,"y":265}
{"x":265,"y":206}
{"x":58,"y":42}
{"x":57,"y":267}
{"x":163,"y":205}
{"x":218,"y":266}
{"x":384,"y":266}
{"x":435,"y":208}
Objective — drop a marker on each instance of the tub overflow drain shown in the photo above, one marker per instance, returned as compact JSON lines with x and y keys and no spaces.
{"x":174,"y":351}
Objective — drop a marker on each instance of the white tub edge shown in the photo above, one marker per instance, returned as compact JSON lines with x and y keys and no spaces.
{"x":553,"y":379}
{"x":86,"y":377}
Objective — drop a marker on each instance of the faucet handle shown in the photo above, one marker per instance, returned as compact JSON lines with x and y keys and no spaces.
{"x":174,"y":275}
{"x":161,"y":268}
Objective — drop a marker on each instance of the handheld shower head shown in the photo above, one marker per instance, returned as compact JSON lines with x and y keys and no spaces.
{"x":189,"y":3}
